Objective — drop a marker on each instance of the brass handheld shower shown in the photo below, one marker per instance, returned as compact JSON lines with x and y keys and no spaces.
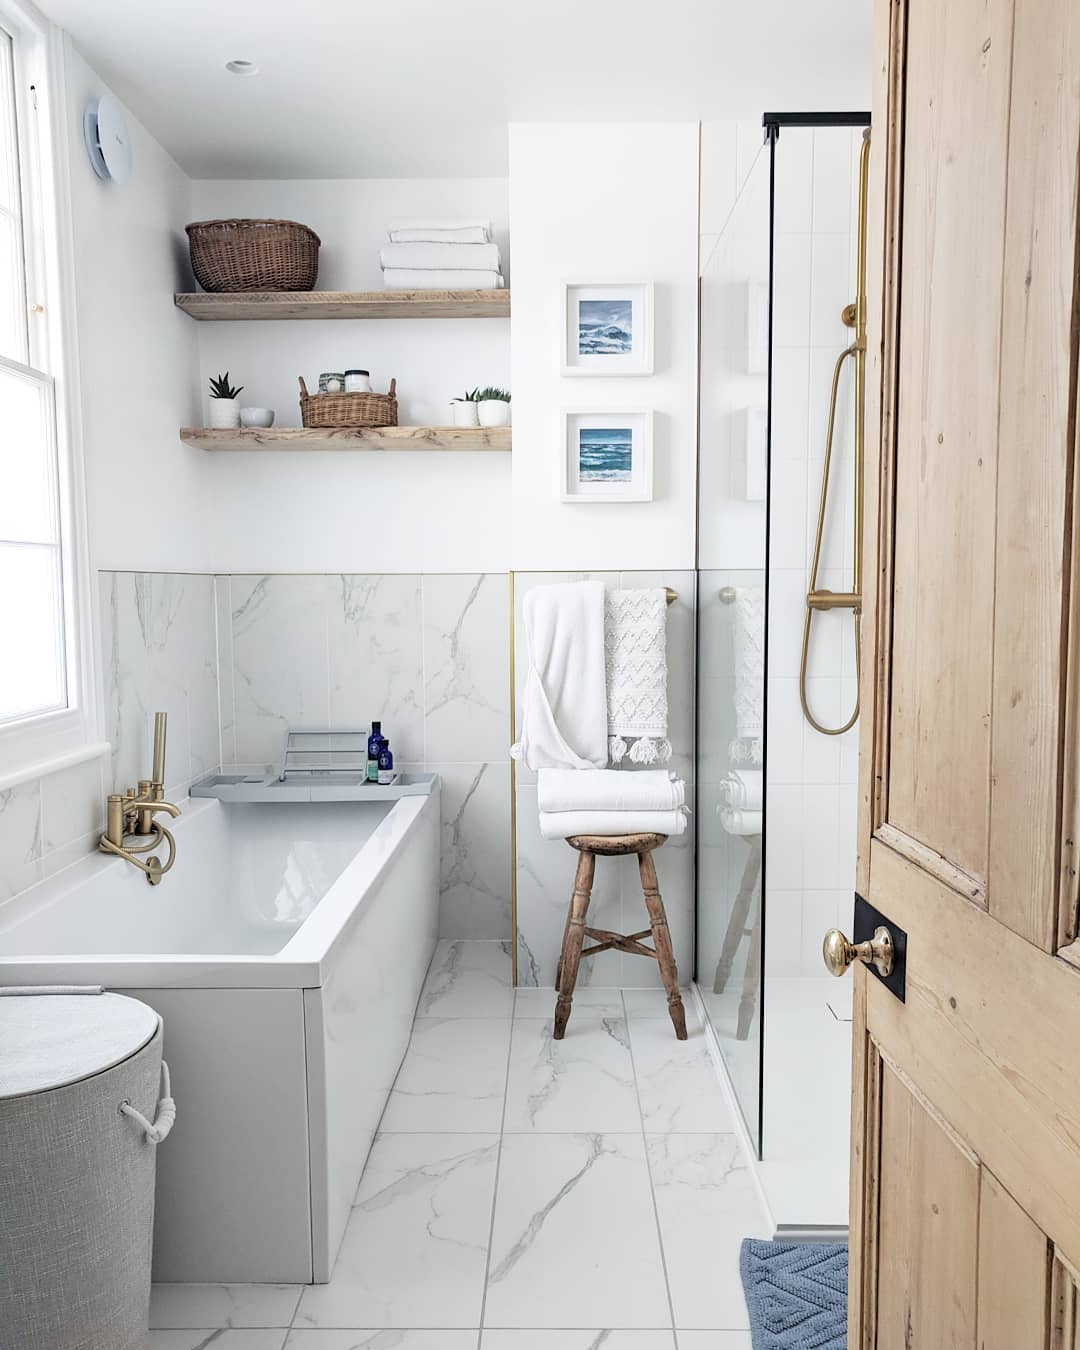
{"x":818,"y":599}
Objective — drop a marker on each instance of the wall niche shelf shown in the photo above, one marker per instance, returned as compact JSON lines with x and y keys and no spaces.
{"x":345,"y":304}
{"x":351,"y":438}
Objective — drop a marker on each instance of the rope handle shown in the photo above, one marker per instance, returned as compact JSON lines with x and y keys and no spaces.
{"x":156,"y":1131}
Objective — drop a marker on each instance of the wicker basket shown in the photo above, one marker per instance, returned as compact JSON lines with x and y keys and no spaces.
{"x":253,"y":255}
{"x":348,"y":410}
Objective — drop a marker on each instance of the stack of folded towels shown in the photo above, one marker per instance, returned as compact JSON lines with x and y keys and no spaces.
{"x":441,"y":255}
{"x":610,"y":801}
{"x":739,"y":801}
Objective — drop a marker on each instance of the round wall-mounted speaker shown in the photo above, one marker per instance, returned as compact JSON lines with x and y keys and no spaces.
{"x":107,"y":143}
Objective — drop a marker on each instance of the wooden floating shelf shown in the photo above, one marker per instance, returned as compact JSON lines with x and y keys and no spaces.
{"x":352,"y":438}
{"x":345,"y":304}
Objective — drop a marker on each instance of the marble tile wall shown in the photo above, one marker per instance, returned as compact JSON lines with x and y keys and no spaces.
{"x":545,"y":868}
{"x":428,"y":656}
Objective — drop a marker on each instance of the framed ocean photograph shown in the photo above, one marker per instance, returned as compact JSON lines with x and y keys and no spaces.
{"x":607,"y":456}
{"x":608,"y":328}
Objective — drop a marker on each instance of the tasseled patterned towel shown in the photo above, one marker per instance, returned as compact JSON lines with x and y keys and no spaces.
{"x":635,"y":659}
{"x":746,"y":748}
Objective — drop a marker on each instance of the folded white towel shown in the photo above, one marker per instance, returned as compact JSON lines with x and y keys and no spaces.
{"x":439,"y":257}
{"x":635,"y":652}
{"x":564,"y":708}
{"x":609,"y":790}
{"x":563,"y":824}
{"x":417,"y":279}
{"x":421,"y":230}
{"x":739,"y":822}
{"x":742,"y":789}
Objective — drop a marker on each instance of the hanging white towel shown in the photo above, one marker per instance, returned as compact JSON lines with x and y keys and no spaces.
{"x":563,"y":824}
{"x":436,"y":257}
{"x":434,"y":231}
{"x":609,"y":790}
{"x":635,"y":652}
{"x":739,"y":822}
{"x":742,"y":789}
{"x":450,"y":279}
{"x":564,"y":709}
{"x":749,"y":675}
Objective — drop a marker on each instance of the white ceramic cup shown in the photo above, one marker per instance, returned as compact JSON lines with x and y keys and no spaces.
{"x":256,"y":417}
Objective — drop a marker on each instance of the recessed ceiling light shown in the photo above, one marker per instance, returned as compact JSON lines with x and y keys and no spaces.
{"x":242,"y":67}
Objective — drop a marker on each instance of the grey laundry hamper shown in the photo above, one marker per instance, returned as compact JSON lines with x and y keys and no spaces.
{"x":79,"y":1075}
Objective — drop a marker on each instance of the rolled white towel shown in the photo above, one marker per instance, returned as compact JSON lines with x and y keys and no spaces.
{"x":563,"y":824}
{"x":420,"y":230}
{"x":438,"y":257}
{"x":609,"y":790}
{"x":735,"y":821}
{"x":742,"y":789}
{"x":450,"y":279}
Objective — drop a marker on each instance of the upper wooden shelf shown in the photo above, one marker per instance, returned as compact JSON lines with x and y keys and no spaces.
{"x":345,"y":304}
{"x":350,"y":438}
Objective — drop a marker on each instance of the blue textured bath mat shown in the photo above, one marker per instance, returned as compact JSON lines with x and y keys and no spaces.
{"x":796,"y":1293}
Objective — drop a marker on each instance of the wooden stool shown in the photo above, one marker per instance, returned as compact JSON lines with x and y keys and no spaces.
{"x":615,"y":846}
{"x":737,"y":929}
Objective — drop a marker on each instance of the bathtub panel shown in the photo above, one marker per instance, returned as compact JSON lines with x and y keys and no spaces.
{"x":233,"y":1189}
{"x":358,"y":1023}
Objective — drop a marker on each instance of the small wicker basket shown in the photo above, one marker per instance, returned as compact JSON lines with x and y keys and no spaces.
{"x":253,"y":255}
{"x":348,"y":410}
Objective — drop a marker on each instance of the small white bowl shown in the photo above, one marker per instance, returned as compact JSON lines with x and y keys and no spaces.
{"x":256,"y":417}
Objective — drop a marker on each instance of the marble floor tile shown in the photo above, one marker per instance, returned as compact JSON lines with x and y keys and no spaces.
{"x":678,"y":1086}
{"x":468,"y":979}
{"x":211,"y":1338}
{"x":574,"y":1241}
{"x":393,"y":1339}
{"x":584,"y":1082}
{"x":588,"y":1002}
{"x":415,"y":1248}
{"x":222,"y":1305}
{"x":577,"y":1340}
{"x":453,"y":1077}
{"x":642,"y":1003}
{"x":706,"y":1202}
{"x":715,"y":1340}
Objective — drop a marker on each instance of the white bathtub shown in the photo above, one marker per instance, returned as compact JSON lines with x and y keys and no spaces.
{"x":285,"y":951}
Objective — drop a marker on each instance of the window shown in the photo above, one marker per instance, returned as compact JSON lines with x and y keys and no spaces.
{"x":45,"y":688}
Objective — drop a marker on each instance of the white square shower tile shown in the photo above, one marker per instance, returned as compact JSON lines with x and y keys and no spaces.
{"x":394,"y":1339}
{"x":468,"y":979}
{"x":677,"y":1084}
{"x":222,"y":1305}
{"x":453,"y":1077}
{"x":707,"y":1203}
{"x":415,"y":1248}
{"x":583,"y":1082}
{"x":574,"y":1241}
{"x":577,"y":1340}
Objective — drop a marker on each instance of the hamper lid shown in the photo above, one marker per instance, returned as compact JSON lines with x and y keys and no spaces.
{"x":50,"y":1040}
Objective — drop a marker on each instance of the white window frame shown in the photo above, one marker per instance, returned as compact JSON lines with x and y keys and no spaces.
{"x":42,"y":743}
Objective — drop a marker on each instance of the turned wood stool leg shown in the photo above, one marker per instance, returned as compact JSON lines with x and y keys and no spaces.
{"x":662,"y":942}
{"x":573,"y":939}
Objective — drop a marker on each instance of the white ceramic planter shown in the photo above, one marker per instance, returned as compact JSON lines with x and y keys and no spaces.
{"x":494,"y":412}
{"x":224,"y":413}
{"x":465,"y":413}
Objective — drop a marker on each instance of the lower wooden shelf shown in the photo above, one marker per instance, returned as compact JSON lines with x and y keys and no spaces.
{"x":350,"y":438}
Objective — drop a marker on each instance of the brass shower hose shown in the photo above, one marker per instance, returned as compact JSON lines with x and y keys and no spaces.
{"x":819,"y":599}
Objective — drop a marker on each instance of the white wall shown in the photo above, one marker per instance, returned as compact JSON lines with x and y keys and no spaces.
{"x":350,"y":512}
{"x":589,"y":203}
{"x":137,"y":353}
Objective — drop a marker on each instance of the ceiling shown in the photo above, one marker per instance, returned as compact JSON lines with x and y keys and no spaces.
{"x":348,"y":88}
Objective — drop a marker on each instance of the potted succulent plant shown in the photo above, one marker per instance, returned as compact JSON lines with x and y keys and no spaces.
{"x":224,"y":404}
{"x":493,"y":407}
{"x":465,"y":410}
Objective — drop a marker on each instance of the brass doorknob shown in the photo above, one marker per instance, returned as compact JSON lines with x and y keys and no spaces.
{"x":839,"y":953}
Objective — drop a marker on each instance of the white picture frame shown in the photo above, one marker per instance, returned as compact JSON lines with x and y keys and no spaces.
{"x":607,"y":328}
{"x":607,"y":456}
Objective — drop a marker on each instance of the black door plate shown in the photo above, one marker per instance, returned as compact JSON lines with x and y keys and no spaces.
{"x":867,"y":919}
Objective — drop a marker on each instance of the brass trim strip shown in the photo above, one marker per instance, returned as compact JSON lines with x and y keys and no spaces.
{"x":513,"y":795}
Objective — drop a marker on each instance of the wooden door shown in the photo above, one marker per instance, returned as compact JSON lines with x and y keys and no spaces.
{"x":965,"y":1209}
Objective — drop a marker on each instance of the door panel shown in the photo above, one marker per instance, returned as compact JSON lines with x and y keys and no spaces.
{"x":965,"y":1219}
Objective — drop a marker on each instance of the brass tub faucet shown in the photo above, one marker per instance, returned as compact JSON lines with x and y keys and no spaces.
{"x":132,"y":813}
